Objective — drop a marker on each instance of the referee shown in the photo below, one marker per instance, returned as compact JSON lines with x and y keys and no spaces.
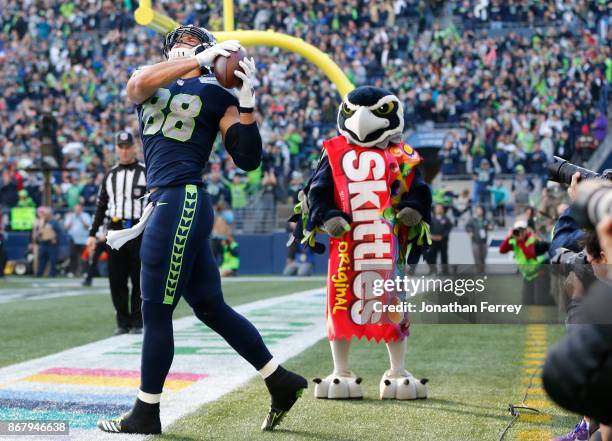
{"x":120,"y":202}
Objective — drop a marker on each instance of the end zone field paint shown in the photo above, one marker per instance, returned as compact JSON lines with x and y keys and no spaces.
{"x":100,"y":379}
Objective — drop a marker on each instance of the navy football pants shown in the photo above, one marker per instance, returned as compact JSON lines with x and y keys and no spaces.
{"x":177,"y":261}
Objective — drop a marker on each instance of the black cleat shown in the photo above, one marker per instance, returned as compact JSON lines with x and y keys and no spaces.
{"x":285,"y":388}
{"x":142,"y":419}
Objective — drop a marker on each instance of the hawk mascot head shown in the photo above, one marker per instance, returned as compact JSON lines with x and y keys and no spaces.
{"x":371,"y":117}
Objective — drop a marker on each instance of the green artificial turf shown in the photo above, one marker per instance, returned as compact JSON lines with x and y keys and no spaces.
{"x":34,"y":328}
{"x":474,"y":371}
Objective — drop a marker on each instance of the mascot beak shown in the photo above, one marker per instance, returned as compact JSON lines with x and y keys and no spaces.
{"x":363,"y":122}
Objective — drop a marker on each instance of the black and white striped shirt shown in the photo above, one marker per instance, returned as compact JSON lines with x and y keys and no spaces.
{"x":120,"y":195}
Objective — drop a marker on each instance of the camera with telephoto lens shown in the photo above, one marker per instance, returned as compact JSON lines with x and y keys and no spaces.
{"x":566,"y":261}
{"x":561,"y":171}
{"x":593,"y":202}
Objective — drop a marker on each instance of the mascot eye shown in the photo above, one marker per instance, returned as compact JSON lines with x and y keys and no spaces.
{"x":346,"y":110}
{"x":385,"y":109}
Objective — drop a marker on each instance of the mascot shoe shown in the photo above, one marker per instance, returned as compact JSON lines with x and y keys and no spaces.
{"x":339,"y":387}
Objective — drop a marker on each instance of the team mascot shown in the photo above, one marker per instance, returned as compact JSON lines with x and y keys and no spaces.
{"x":367,"y":194}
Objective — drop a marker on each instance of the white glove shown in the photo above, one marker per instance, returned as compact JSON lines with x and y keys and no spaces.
{"x":336,"y":226}
{"x":246,"y":94}
{"x":409,"y":216}
{"x":207,"y":57}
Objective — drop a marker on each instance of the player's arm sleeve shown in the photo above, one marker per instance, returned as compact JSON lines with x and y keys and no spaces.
{"x":418,"y":197}
{"x":243,"y":143}
{"x":101,"y":207}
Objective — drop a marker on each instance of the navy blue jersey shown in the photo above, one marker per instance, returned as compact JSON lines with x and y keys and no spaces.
{"x":178,"y":126}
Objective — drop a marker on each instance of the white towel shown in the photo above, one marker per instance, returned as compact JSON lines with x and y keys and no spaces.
{"x":116,"y":239}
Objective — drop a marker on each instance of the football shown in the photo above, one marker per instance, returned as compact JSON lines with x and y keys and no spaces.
{"x":224,"y":68}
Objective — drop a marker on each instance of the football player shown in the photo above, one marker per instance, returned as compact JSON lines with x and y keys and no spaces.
{"x":181,"y":107}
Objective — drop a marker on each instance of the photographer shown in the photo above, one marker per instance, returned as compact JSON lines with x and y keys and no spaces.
{"x":529,"y":255}
{"x":582,"y":258}
{"x":567,"y":241}
{"x":566,"y":232}
{"x":231,"y":257}
{"x":578,"y":370}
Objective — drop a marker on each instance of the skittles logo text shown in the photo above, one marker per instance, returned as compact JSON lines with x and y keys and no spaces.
{"x":371,"y":258}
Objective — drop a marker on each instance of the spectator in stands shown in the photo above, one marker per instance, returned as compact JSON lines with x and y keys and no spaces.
{"x":77,"y":224}
{"x":89,"y":192}
{"x":231,"y":257}
{"x":483,"y":178}
{"x":585,"y":144}
{"x":215,"y":187}
{"x":8,"y":190}
{"x":502,"y":84}
{"x":238,"y":191}
{"x":462,"y":206}
{"x":537,"y":160}
{"x":522,"y":186}
{"x":296,"y":184}
{"x":300,"y":260}
{"x":272,"y":192}
{"x":600,"y":127}
{"x":222,"y":229}
{"x":499,"y":199}
{"x":24,"y":199}
{"x":449,"y":157}
{"x":441,"y":227}
{"x":46,"y":234}
{"x":3,"y":257}
{"x":478,"y":228}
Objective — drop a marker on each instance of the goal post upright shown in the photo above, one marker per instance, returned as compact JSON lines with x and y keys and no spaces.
{"x":145,"y":15}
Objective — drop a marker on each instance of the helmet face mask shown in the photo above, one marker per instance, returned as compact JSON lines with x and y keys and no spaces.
{"x":206,"y":40}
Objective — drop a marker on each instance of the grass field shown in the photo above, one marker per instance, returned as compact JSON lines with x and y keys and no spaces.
{"x":25,"y":325}
{"x":475,"y":371}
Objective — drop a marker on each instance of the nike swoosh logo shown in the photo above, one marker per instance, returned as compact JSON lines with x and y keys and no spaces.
{"x":161,"y":203}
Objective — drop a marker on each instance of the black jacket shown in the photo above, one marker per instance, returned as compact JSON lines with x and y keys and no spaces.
{"x":578,"y":370}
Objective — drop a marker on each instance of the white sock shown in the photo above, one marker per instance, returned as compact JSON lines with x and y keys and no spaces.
{"x":268,"y":369}
{"x":340,"y":353}
{"x":149,"y":398}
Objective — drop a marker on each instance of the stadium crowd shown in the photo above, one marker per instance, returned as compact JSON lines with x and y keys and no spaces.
{"x":518,"y":98}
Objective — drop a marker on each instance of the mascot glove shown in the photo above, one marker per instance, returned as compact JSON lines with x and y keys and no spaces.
{"x":246,"y":95}
{"x":206,"y":58}
{"x":409,"y":216}
{"x":336,"y":226}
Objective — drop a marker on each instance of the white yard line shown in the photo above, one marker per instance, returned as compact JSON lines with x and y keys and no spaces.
{"x":289,"y":324}
{"x":39,"y":289}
